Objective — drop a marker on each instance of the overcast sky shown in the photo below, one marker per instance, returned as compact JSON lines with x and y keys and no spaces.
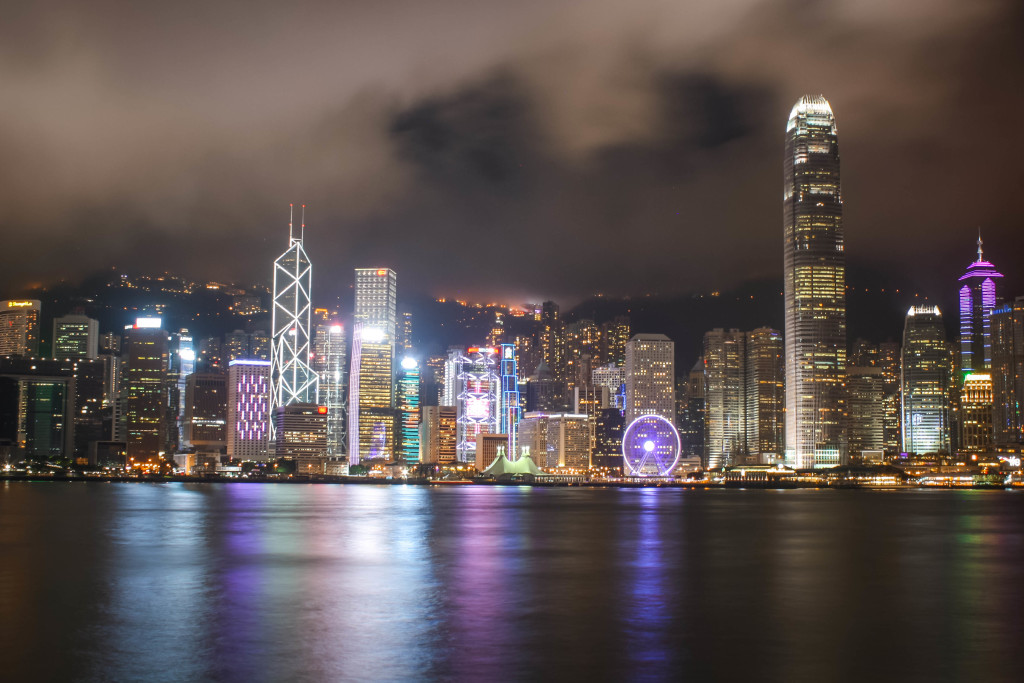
{"x":504,"y":150}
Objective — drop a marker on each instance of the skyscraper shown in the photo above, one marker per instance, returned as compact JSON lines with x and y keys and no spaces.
{"x":248,"y":428}
{"x":371,"y":398}
{"x":765,"y":393}
{"x":330,"y":355}
{"x":650,"y":377}
{"x":977,"y":300}
{"x":409,"y":410}
{"x":145,"y":386}
{"x":924,"y":385}
{"x":292,"y":379}
{"x":19,"y":327}
{"x":815,"y":286}
{"x":478,"y":400}
{"x":75,"y":336}
{"x":377,"y":300}
{"x":206,"y":408}
{"x":725,"y":395}
{"x":1008,"y":372}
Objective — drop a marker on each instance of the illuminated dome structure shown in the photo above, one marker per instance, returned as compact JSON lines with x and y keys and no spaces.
{"x":650,"y":447}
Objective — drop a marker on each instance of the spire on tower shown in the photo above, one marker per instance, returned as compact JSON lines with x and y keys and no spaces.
{"x":291,"y":218}
{"x":302,"y":235}
{"x":980,"y":256}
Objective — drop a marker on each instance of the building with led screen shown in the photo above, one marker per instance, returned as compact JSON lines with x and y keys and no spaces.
{"x":292,"y":379}
{"x":409,"y":410}
{"x":477,"y":400}
{"x":814,"y":286}
{"x":924,"y":384}
{"x":248,"y":409}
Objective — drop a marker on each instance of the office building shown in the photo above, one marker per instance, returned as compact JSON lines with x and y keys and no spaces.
{"x":19,"y":327}
{"x":765,"y":395}
{"x":330,"y":362}
{"x":814,"y":286}
{"x":248,"y":424}
{"x":925,"y":382}
{"x":478,"y":399}
{"x":555,"y":440}
{"x":976,"y":434}
{"x":650,"y":377}
{"x":438,"y":434}
{"x":75,"y":336}
{"x":206,"y":411}
{"x":301,"y":435}
{"x":509,"y":410}
{"x":409,"y":411}
{"x":291,"y":377}
{"x":725,"y":429}
{"x":371,"y":400}
{"x":376,"y":300}
{"x":1008,"y":373}
{"x":144,"y":385}
{"x":608,"y":428}
{"x":978,"y":298}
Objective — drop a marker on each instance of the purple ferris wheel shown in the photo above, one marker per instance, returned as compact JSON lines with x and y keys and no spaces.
{"x":650,"y":447}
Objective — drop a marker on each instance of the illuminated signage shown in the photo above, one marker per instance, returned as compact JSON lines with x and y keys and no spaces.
{"x":478,"y":408}
{"x":19,"y":304}
{"x":148,"y":323}
{"x":322,"y":410}
{"x":382,"y":272}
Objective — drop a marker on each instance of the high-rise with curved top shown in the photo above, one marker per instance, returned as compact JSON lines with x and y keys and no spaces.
{"x":815,"y":286}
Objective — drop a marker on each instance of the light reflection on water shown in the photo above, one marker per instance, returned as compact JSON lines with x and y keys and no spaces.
{"x":248,"y":582}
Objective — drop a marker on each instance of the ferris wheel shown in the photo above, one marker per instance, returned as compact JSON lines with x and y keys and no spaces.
{"x":650,"y":447}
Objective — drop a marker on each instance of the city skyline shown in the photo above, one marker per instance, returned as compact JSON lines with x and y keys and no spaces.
{"x":396,"y":157}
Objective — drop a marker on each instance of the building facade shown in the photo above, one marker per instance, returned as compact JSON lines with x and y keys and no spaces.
{"x":925,"y":382}
{"x":650,"y":377}
{"x":248,"y":428}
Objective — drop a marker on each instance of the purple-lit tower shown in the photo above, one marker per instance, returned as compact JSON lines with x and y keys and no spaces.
{"x":977,"y":300}
{"x":248,"y":409}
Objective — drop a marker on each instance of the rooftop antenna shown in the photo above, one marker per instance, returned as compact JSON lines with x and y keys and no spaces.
{"x":302,"y":235}
{"x":291,"y":216}
{"x":979,"y":245}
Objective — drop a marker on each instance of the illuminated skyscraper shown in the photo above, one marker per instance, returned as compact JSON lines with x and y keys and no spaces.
{"x":145,"y":387}
{"x":977,"y":300}
{"x":248,"y":426}
{"x":437,"y":434}
{"x":206,"y":407}
{"x":75,"y":336}
{"x":292,"y":379}
{"x":330,"y":355}
{"x":549,"y":338}
{"x":377,"y":300}
{"x":614,"y":335}
{"x":371,"y":399}
{"x":1008,"y":372}
{"x":19,"y":327}
{"x":924,"y":386}
{"x":409,"y":410}
{"x":765,"y":393}
{"x":650,"y":377}
{"x":815,"y":286}
{"x":478,"y":399}
{"x":725,"y":431}
{"x":302,"y":436}
{"x":508,"y":416}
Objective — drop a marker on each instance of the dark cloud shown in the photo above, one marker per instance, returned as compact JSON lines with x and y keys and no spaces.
{"x":506,"y":150}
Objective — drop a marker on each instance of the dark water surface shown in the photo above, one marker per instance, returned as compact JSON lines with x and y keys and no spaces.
{"x":263,"y":582}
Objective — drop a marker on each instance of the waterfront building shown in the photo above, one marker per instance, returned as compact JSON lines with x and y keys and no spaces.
{"x":650,"y":377}
{"x":75,"y":336}
{"x":292,"y":378}
{"x":371,"y":404}
{"x":438,"y":434}
{"x":19,"y":327}
{"x":1008,"y":372}
{"x":608,"y":428}
{"x":409,"y":410}
{"x":865,"y":405}
{"x":925,"y":380}
{"x":248,"y":429}
{"x":814,"y":286}
{"x":206,"y":411}
{"x":509,"y":410}
{"x":330,"y":362}
{"x":488,"y":446}
{"x":555,"y":439}
{"x":144,"y":383}
{"x":478,"y":400}
{"x":976,"y":413}
{"x":376,"y":300}
{"x":301,"y":435}
{"x":725,"y":396}
{"x":765,"y":395}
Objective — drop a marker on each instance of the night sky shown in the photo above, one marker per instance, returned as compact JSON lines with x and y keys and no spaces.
{"x":510,"y":151}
